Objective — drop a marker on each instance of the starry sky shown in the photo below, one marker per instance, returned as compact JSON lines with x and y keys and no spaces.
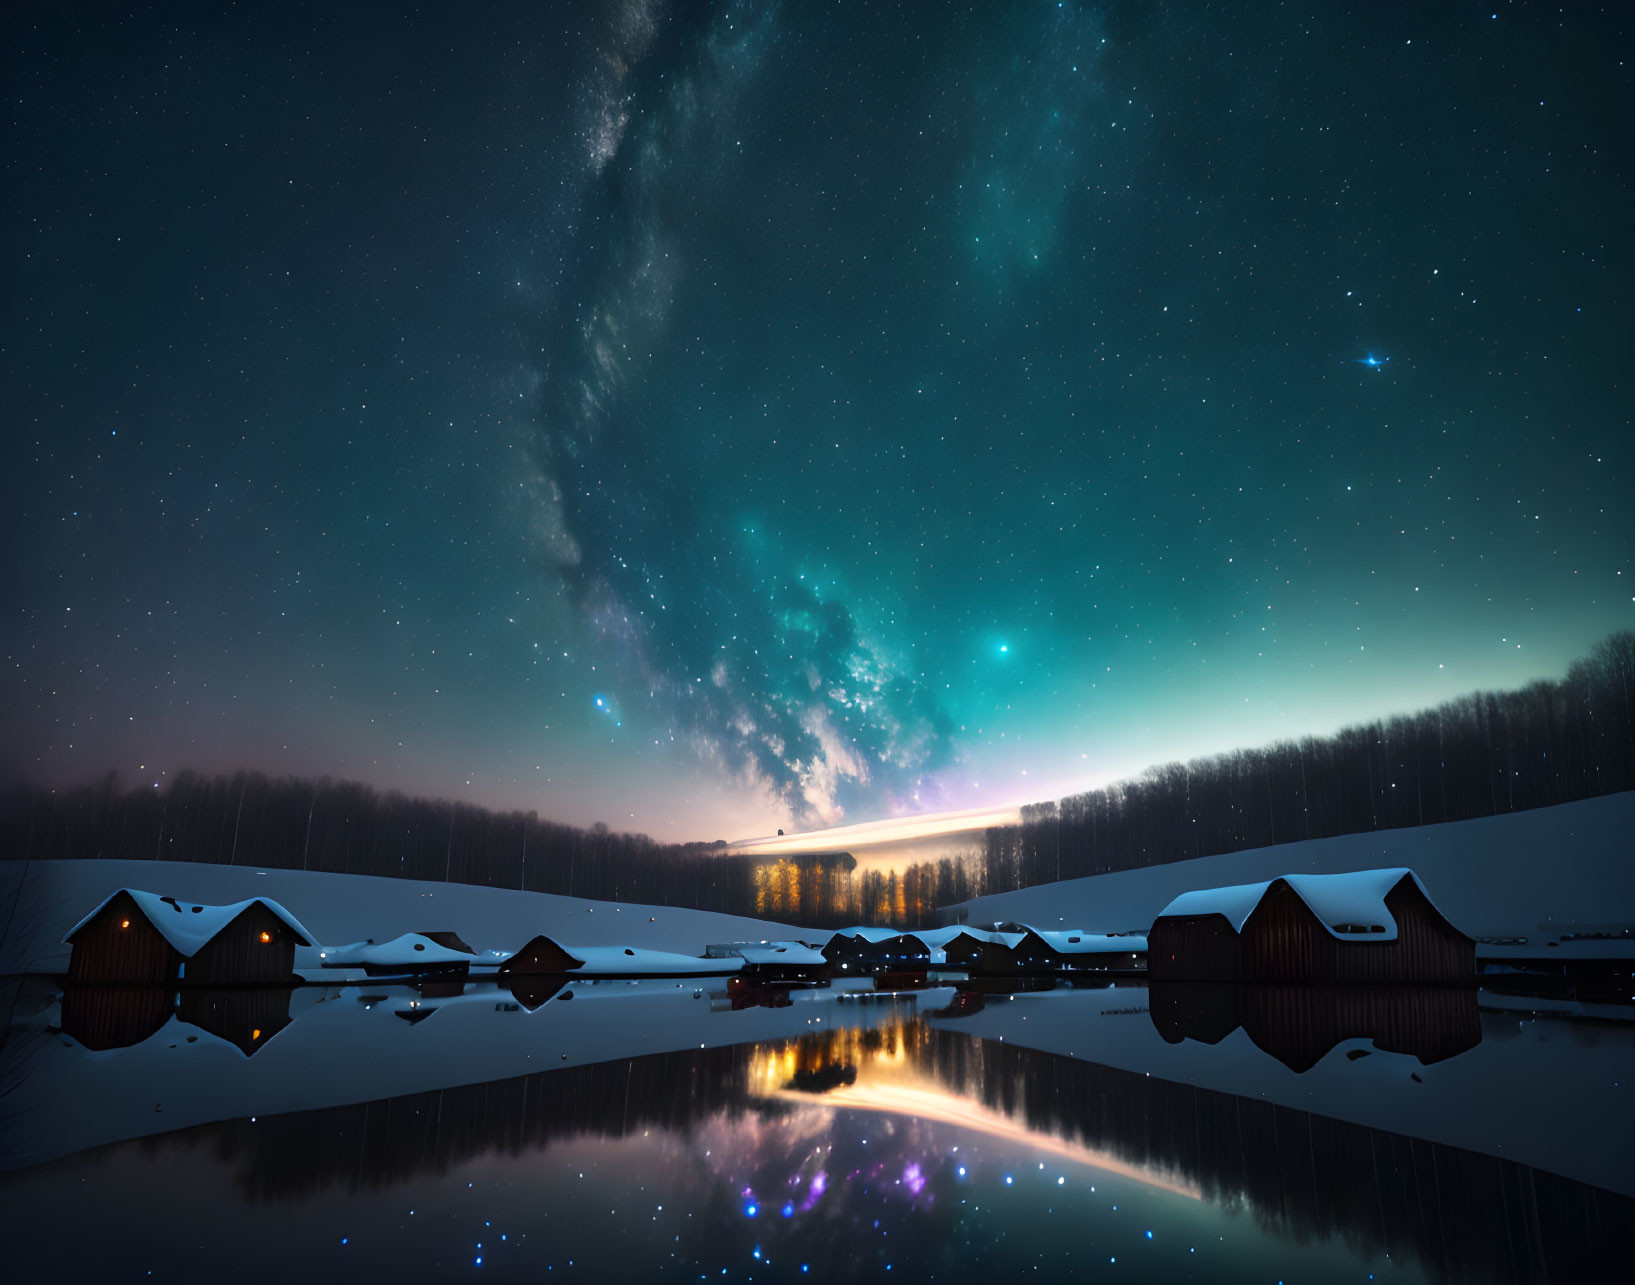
{"x":711,"y":418}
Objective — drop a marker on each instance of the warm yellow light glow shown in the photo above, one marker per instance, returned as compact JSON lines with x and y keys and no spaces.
{"x":266,"y":936}
{"x":124,"y":923}
{"x":256,"y":1034}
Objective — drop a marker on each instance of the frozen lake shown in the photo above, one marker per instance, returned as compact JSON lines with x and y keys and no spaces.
{"x":649,"y":1131}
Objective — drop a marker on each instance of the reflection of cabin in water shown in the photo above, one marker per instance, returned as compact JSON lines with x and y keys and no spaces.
{"x":1366,"y":926}
{"x":140,"y":937}
{"x":247,"y":1017}
{"x":1300,"y":1025}
{"x":102,"y":1017}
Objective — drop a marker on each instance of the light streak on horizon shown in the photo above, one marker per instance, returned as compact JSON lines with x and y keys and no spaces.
{"x":894,"y":830}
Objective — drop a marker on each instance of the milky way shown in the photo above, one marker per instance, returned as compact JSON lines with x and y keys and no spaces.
{"x":712,"y":420}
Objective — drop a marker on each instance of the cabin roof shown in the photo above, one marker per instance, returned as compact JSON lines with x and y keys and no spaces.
{"x":1357,"y":897}
{"x":872,"y":935}
{"x":187,"y":926}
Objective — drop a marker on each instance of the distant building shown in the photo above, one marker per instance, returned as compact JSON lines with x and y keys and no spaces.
{"x":983,"y":952}
{"x":141,"y":937}
{"x":1073,"y":949}
{"x":540,"y":955}
{"x":1365,"y":926}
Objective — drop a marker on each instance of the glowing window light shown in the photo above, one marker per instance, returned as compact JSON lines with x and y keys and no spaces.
{"x":266,"y":936}
{"x":124,"y":923}
{"x":256,"y":1034}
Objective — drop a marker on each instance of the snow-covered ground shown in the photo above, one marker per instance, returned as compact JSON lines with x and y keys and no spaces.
{"x":42,"y":900}
{"x":1545,"y":872}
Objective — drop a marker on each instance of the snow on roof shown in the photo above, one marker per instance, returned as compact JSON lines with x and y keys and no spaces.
{"x":869,"y":934}
{"x":1355,"y":898}
{"x":621,"y":961}
{"x":188,"y":926}
{"x":409,"y":949}
{"x":782,"y":952}
{"x":1074,"y":941}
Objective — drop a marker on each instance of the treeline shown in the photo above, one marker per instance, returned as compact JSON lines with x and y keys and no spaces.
{"x":1487,"y":753}
{"x":1480,"y":755}
{"x":344,"y":827}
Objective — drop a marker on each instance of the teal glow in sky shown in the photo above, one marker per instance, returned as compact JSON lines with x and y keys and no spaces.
{"x":708,"y":422}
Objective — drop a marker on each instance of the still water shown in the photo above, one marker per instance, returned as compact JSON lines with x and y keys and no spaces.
{"x":651,"y":1131}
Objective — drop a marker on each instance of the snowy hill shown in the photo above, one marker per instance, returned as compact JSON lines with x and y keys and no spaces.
{"x":1548,"y":871}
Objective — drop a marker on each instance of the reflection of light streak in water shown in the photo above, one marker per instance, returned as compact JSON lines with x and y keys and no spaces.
{"x":928,"y":1103}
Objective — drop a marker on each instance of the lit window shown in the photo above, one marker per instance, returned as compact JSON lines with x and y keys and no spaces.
{"x":124,"y":923}
{"x":266,"y":936}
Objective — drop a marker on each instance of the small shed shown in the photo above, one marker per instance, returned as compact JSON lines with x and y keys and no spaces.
{"x":136,"y":936}
{"x":541,"y":955}
{"x":865,"y":949}
{"x":1364,"y":926}
{"x":984,"y":951}
{"x":1074,"y":949}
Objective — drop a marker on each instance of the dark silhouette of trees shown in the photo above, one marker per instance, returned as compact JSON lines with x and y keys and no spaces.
{"x":1553,"y":741}
{"x":1478,"y":755}
{"x":346,"y":827}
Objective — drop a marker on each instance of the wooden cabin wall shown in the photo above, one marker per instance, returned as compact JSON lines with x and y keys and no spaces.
{"x":1194,"y":948}
{"x":105,"y":952}
{"x":237,"y":954}
{"x":1284,"y":942}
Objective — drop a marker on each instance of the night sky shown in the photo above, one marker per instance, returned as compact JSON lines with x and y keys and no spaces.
{"x":713,"y":418}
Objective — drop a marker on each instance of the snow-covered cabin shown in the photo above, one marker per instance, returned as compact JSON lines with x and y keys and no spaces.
{"x":985,"y":951}
{"x":1073,"y":949}
{"x":136,"y":936}
{"x":1363,"y":926}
